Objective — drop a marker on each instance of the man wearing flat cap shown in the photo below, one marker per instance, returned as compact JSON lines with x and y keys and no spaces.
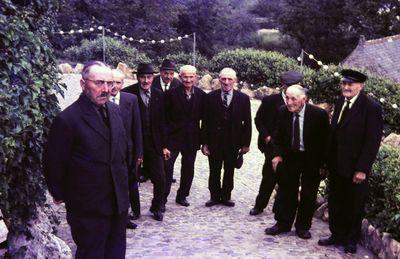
{"x":151,"y":106}
{"x":166,"y":79}
{"x":266,"y":121}
{"x":356,"y":132}
{"x":226,"y":134}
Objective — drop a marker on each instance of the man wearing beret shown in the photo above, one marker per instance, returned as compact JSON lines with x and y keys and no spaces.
{"x":356,"y":132}
{"x":151,"y":106}
{"x":265,"y":121}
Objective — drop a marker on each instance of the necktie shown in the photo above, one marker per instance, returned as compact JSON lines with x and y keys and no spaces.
{"x":345,"y":111}
{"x":147,"y":93}
{"x":296,"y":133}
{"x":165,"y":87}
{"x":225,"y":99}
{"x":113,"y":99}
{"x":103,"y":113}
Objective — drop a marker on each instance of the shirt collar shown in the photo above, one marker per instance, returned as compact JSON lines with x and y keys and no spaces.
{"x":352,"y":100}
{"x":302,"y":111}
{"x":284,"y":97}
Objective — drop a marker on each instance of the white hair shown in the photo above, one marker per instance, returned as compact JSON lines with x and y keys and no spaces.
{"x":118,"y":72}
{"x":227,"y":72}
{"x":187,"y":69}
{"x":297,"y":90}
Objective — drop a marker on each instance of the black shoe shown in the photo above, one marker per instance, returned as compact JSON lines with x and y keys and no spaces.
{"x":182,"y":201}
{"x":327,"y":241}
{"x":211,"y":203}
{"x":173,"y":180}
{"x":276,"y":230}
{"x":350,"y":248}
{"x":143,"y":179}
{"x":304,"y":234}
{"x":134,"y":216}
{"x":131,"y":225}
{"x":162,"y":208}
{"x":157,"y":215}
{"x":228,"y":203}
{"x":4,"y":244}
{"x":255,"y":211}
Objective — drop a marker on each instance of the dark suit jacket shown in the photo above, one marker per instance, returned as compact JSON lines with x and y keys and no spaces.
{"x":85,"y":165}
{"x":355,"y":142}
{"x":157,"y":83}
{"x":266,"y":118}
{"x":315,"y":135}
{"x":130,"y":113}
{"x":213,"y":120}
{"x":157,"y":115}
{"x":183,"y":121}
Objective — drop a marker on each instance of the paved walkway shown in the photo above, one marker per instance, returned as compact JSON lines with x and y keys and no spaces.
{"x":219,"y":231}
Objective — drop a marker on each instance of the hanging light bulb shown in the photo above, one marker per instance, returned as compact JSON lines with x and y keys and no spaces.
{"x":299,"y":59}
{"x":100,"y":27}
{"x":311,"y":56}
{"x":162,"y":41}
{"x":71,"y":32}
{"x":80,"y":31}
{"x":130,"y":39}
{"x":319,"y":63}
{"x":91,"y":29}
{"x":325,"y":67}
{"x":61,"y":32}
{"x":179,"y":38}
{"x":123,"y":37}
{"x":141,"y":40}
{"x":153,"y":41}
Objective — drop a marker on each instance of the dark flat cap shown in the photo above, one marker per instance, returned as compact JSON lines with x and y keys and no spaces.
{"x":353,"y":76}
{"x":291,"y":77}
{"x":167,"y":65}
{"x":144,"y":69}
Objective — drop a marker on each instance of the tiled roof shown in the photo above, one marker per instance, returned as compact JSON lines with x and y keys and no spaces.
{"x":379,"y":56}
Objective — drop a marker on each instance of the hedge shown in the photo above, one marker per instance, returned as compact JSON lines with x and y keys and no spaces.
{"x":182,"y":58}
{"x":383,"y":207}
{"x":116,"y":51}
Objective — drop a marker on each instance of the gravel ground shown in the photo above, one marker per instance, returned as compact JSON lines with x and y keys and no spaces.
{"x":219,"y":231}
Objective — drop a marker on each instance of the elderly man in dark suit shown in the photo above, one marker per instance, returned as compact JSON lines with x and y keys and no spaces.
{"x":166,"y":79}
{"x":184,"y":105}
{"x":86,"y":165}
{"x":151,"y":106}
{"x":129,"y":107}
{"x":298,"y":146}
{"x":355,"y":137}
{"x":265,"y":120}
{"x":227,"y":133}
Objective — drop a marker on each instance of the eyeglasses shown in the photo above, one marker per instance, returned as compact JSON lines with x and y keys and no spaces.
{"x":100,"y":83}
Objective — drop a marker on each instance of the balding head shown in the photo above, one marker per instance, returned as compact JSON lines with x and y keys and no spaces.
{"x":295,"y":98}
{"x":228,"y":72}
{"x":118,"y":78}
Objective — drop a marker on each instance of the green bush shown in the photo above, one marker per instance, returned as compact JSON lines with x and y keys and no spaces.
{"x":182,"y":58}
{"x":274,"y":40}
{"x":383,"y":207}
{"x":116,"y":51}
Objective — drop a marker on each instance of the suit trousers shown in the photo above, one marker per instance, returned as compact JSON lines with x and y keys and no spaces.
{"x":187,"y":172}
{"x":267,"y":185}
{"x":99,"y":237}
{"x":218,"y":192}
{"x":134,"y":197}
{"x":346,"y":202}
{"x":296,"y":173}
{"x":155,"y":163}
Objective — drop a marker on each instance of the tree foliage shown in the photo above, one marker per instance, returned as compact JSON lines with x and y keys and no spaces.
{"x":28,"y":83}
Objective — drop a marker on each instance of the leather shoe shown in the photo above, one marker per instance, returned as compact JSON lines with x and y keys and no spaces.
{"x":255,"y":211}
{"x":162,"y":208}
{"x":276,"y":230}
{"x":228,"y":203}
{"x":143,"y":179}
{"x":157,"y":215}
{"x":131,"y":225}
{"x":304,"y":234}
{"x":134,"y":216}
{"x":182,"y":201}
{"x":350,"y":248}
{"x":327,"y":241}
{"x":211,"y":203}
{"x":173,"y":180}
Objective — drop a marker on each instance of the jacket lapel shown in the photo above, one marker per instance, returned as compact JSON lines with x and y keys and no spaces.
{"x":115,"y":121}
{"x":91,"y":117}
{"x":306,"y":125}
{"x":356,"y":108}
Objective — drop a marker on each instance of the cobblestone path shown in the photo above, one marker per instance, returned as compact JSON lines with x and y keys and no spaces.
{"x":217,"y":232}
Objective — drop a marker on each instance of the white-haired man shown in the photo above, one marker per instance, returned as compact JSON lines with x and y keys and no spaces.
{"x":184,"y":106}
{"x":298,"y":151}
{"x":227,"y":133}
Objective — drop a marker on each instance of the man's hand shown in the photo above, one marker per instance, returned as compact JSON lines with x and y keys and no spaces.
{"x":359,"y":177}
{"x":205,"y":150}
{"x":267,"y":139}
{"x":275,"y":161}
{"x":166,"y":153}
{"x":57,"y":202}
{"x":244,"y":150}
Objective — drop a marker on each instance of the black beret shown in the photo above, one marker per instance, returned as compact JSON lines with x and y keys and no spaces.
{"x":289,"y":78}
{"x":144,"y":69}
{"x":353,"y":76}
{"x":167,"y":65}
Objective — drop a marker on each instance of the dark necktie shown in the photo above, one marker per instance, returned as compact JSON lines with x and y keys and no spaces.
{"x":296,"y":133}
{"x":345,"y":111}
{"x":165,"y":87}
{"x":147,"y":93}
{"x":225,"y":99}
{"x":103,"y":113}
